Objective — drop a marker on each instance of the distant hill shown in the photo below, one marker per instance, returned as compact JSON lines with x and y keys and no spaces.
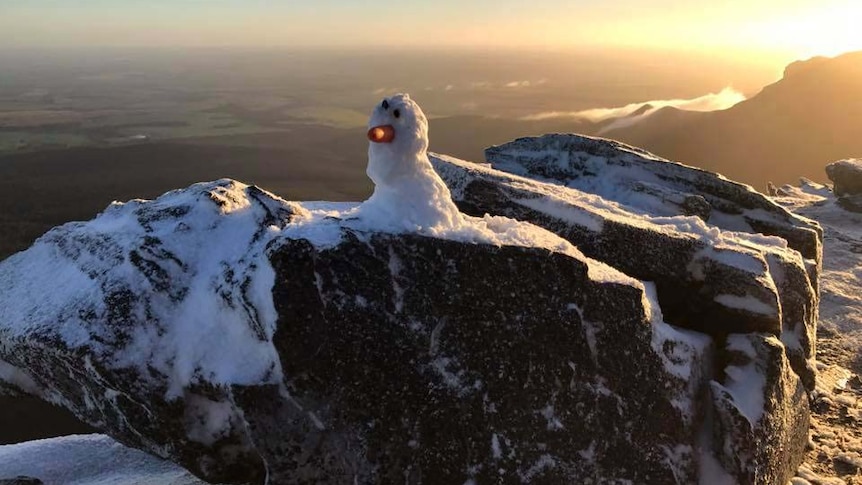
{"x":792,"y":128}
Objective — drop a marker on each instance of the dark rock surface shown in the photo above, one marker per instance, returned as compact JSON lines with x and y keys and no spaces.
{"x":20,"y":481}
{"x":501,"y":363}
{"x":26,"y":418}
{"x":846,"y":176}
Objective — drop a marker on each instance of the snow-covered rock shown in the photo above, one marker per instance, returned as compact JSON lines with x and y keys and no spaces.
{"x":457,"y":362}
{"x":240,"y":336}
{"x":719,"y":260}
{"x":645,"y":183}
{"x":846,"y":175}
{"x":136,"y":320}
{"x":88,"y":460}
{"x":711,"y":280}
{"x":760,"y":429}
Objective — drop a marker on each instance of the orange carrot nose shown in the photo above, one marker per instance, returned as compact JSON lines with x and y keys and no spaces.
{"x":382,"y":134}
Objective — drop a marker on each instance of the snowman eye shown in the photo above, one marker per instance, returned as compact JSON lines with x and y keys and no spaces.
{"x":397,"y":113}
{"x":385,"y":104}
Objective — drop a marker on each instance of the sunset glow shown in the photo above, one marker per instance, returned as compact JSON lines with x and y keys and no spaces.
{"x":791,"y":29}
{"x":820,"y":30}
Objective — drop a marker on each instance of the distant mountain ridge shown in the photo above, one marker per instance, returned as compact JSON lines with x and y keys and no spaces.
{"x":792,"y":128}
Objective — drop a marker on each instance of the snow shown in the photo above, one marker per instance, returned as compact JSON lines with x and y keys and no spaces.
{"x":564,"y":211}
{"x":712,"y":472}
{"x":684,"y":353}
{"x":746,"y":383}
{"x":746,"y":302}
{"x":545,"y":462}
{"x":495,"y":447}
{"x":82,"y":460}
{"x":191,"y":333}
{"x":410,"y":197}
{"x":644,"y":187}
{"x":550,"y":415}
{"x":207,"y":421}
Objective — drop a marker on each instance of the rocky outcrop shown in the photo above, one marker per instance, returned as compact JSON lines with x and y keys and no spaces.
{"x":846,"y":176}
{"x":311,"y":349}
{"x":246,"y":337}
{"x":647,"y":184}
{"x":666,"y":223}
{"x":710,"y":280}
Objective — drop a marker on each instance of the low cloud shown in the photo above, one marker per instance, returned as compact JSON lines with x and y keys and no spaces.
{"x":724,"y":99}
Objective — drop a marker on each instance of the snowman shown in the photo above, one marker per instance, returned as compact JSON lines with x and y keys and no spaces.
{"x":408,"y":193}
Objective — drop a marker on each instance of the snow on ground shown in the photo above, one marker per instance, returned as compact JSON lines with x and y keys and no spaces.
{"x":82,"y":460}
{"x":835,"y":455}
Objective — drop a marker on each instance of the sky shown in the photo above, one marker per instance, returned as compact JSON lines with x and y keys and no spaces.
{"x":793,"y":28}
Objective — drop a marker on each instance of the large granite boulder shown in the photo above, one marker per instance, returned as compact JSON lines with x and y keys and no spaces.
{"x":246,"y":337}
{"x":846,"y":176}
{"x":432,"y":360}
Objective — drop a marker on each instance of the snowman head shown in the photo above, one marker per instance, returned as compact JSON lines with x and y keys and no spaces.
{"x":397,"y":128}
